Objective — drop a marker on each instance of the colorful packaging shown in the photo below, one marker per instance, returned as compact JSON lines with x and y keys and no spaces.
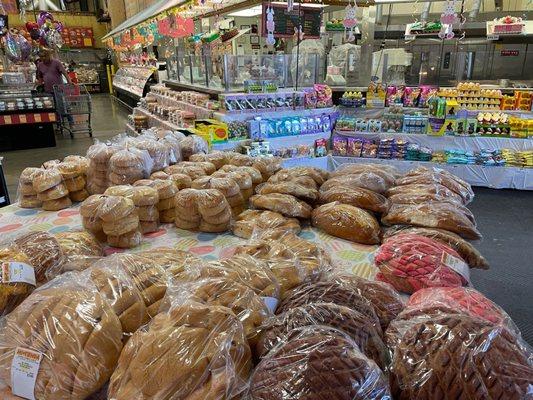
{"x":339,"y":146}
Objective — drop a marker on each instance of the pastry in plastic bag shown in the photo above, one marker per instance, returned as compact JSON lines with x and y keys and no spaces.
{"x":129,"y":165}
{"x":347,"y":222}
{"x":357,"y":197}
{"x":74,"y":243}
{"x":217,"y":158}
{"x":422,"y":193}
{"x":459,"y":357}
{"x":182,"y":181}
{"x":192,"y":144}
{"x":268,"y":166}
{"x":27,"y":195}
{"x":353,"y":323}
{"x":469,"y":253}
{"x":208,"y":167}
{"x":366,"y":180}
{"x":412,"y":262}
{"x":347,"y":169}
{"x":445,"y":216}
{"x":317,"y":363}
{"x":192,"y":351}
{"x":173,"y":148}
{"x":14,"y":288}
{"x":249,"y":220}
{"x":193,"y":170}
{"x":285,"y":204}
{"x":291,"y":174}
{"x":74,"y":333}
{"x":157,"y":151}
{"x":239,"y":160}
{"x":99,"y":155}
{"x":299,"y":191}
{"x":254,"y":173}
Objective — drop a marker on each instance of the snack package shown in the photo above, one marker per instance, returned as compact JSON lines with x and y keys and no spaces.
{"x":476,"y":352}
{"x":412,"y":262}
{"x":18,"y":278}
{"x":204,"y":344}
{"x":339,"y":146}
{"x":347,"y":222}
{"x":318,"y":361}
{"x":67,"y":334}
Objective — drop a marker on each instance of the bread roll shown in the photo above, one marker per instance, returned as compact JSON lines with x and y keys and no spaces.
{"x":268,"y":166}
{"x":357,"y":197}
{"x":347,"y":222}
{"x":285,"y":204}
{"x":193,"y":144}
{"x":193,"y":170}
{"x":217,"y":158}
{"x":420,"y":193}
{"x":46,"y":179}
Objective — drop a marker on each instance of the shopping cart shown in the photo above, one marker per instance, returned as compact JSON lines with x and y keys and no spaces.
{"x":73,"y":105}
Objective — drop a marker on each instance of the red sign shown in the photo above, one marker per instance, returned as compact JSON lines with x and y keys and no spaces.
{"x":78,"y":37}
{"x":509,"y":53}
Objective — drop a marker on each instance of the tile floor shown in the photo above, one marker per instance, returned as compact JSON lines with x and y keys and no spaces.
{"x":505,"y":218}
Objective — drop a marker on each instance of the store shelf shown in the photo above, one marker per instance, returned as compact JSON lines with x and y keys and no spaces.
{"x":245,"y":115}
{"x":439,"y":143}
{"x":158,"y":121}
{"x":476,"y":175}
{"x":200,"y":112}
{"x":277,"y":142}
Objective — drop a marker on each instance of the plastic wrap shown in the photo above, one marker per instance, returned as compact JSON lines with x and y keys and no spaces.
{"x":317,"y":174}
{"x":182,"y":181}
{"x":357,"y":197}
{"x":99,"y":155}
{"x":50,"y":189}
{"x":347,"y":222}
{"x":254,"y":174}
{"x":65,"y":337}
{"x":240,"y":159}
{"x":120,"y":221}
{"x":173,"y":261}
{"x":81,"y":161}
{"x":192,"y":351}
{"x":129,"y":165}
{"x":249,"y":220}
{"x":242,"y":178}
{"x":50,"y":164}
{"x":384,"y":298}
{"x":173,"y":148}
{"x":15,"y":287}
{"x":366,"y":180}
{"x":353,"y":323}
{"x":193,"y":170}
{"x":26,"y":194}
{"x":206,"y":210}
{"x":413,"y":262}
{"x":458,"y":356}
{"x":193,"y":144}
{"x":318,"y":362}
{"x":89,"y":217}
{"x":468,"y":253}
{"x":158,"y":152}
{"x":299,"y":191}
{"x":348,"y":169}
{"x":387,"y":177}
{"x":217,"y":158}
{"x":284,"y":204}
{"x":435,"y":175}
{"x":422,"y":193}
{"x":447,"y":216}
{"x":207,"y":166}
{"x":268,"y":166}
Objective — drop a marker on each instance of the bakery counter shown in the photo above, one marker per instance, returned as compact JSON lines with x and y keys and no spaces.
{"x":14,"y":221}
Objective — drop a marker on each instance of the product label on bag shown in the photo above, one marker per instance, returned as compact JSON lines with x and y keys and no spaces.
{"x":24,"y":370}
{"x":17,"y":272}
{"x":271,"y":303}
{"x":457,"y":265}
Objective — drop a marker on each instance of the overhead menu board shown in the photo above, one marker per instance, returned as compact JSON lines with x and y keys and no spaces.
{"x":285,"y":21}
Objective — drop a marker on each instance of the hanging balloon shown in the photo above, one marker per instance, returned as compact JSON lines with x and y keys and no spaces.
{"x":4,"y":24}
{"x":44,"y":17}
{"x":54,"y":39}
{"x":25,"y":48}
{"x":12,"y":47}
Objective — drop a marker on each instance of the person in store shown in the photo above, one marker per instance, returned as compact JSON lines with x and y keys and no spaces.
{"x":50,"y":71}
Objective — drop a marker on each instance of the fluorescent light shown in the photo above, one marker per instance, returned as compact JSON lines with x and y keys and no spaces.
{"x":249,"y":12}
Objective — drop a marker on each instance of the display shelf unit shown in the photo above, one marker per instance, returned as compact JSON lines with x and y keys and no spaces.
{"x":476,"y":175}
{"x":246,"y":115}
{"x":276,"y":142}
{"x":439,"y":143}
{"x":199,"y":112}
{"x":131,"y":83}
{"x":154,"y":120}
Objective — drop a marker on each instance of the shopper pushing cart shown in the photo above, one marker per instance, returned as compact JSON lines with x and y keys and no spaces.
{"x":73,"y":105}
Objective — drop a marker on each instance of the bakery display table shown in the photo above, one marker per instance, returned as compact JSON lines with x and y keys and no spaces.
{"x":14,"y":221}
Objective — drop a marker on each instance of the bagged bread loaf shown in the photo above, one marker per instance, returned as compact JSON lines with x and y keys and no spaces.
{"x":50,"y":189}
{"x":50,"y":164}
{"x":268,"y":166}
{"x":347,"y":222}
{"x":27,"y":195}
{"x":351,"y":322}
{"x":192,"y":144}
{"x":206,"y":210}
{"x":157,"y":151}
{"x":422,"y":193}
{"x":249,"y":220}
{"x":18,"y":278}
{"x":166,"y":206}
{"x":299,"y":191}
{"x":239,"y":160}
{"x":172,"y":147}
{"x":69,"y":333}
{"x":366,"y":180}
{"x":412,"y":262}
{"x":99,"y":155}
{"x":445,"y":216}
{"x":284,"y":204}
{"x":73,"y":173}
{"x":227,"y":186}
{"x":193,"y":170}
{"x":252,"y":172}
{"x":469,"y":253}
{"x":357,"y":197}
{"x":317,"y":363}
{"x":129,"y":165}
{"x":459,"y":356}
{"x":181,"y":181}
{"x":120,"y":221}
{"x":81,"y":161}
{"x":242,"y":178}
{"x":217,"y":158}
{"x":292,"y":174}
{"x":347,"y":169}
{"x":203,"y":344}
{"x":89,"y":216}
{"x":208,"y":167}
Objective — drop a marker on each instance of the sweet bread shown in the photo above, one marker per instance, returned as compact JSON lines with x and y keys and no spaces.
{"x":80,"y":161}
{"x":57,"y":204}
{"x":166,"y":204}
{"x":165,"y":189}
{"x":100,"y":153}
{"x":268,"y":166}
{"x":240,"y":160}
{"x":157,"y":152}
{"x":249,"y":220}
{"x":46,"y":179}
{"x":121,"y":226}
{"x":192,"y":170}
{"x":240,"y":177}
{"x":125,"y":179}
{"x":13,"y":293}
{"x":347,"y":222}
{"x":347,"y":169}
{"x":357,"y":197}
{"x":208,"y":167}
{"x":82,"y":243}
{"x":294,"y":189}
{"x":75,"y":184}
{"x":53,"y":193}
{"x":30,"y":201}
{"x":213,"y":228}
{"x":120,"y":190}
{"x":69,"y":170}
{"x":159,"y":175}
{"x":145,"y":196}
{"x":101,"y":176}
{"x":192,"y":144}
{"x":217,"y":158}
{"x":237,"y":210}
{"x":227,"y":186}
{"x":114,"y":208}
{"x":236,"y":200}
{"x":95,"y":187}
{"x":149,"y":226}
{"x":26,"y":189}
{"x":421,"y":193}
{"x":222,"y":217}
{"x":148,"y":213}
{"x":318,"y":175}
{"x":254,"y":173}
{"x":365,"y":180}
{"x":78,"y":195}
{"x":285,"y":204}
{"x":211,"y":202}
{"x":26,"y":181}
{"x":92,"y":224}
{"x":167,"y":216}
{"x":91,"y":205}
{"x":50,"y":164}
{"x":127,"y":159}
{"x":126,"y":241}
{"x":187,"y":225}
{"x":182,"y":181}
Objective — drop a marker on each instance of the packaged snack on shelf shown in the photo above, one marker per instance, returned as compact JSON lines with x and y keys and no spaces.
{"x":321,"y":147}
{"x":369,"y":149}
{"x":354,"y":147}
{"x":339,"y":145}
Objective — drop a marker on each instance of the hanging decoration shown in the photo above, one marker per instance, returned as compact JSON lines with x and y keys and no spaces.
{"x":447,"y":19}
{"x":23,"y":5}
{"x":290,"y":5}
{"x":49,"y":30}
{"x":17,"y":48}
{"x":350,"y":20}
{"x":270,"y":26}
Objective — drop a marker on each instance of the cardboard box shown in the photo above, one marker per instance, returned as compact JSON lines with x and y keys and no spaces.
{"x":217,"y":130}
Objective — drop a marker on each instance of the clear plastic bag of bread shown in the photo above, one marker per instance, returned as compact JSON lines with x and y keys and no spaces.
{"x":347,"y":169}
{"x":26,"y":194}
{"x":356,"y":325}
{"x":99,"y":155}
{"x":250,"y":308}
{"x":268,"y":166}
{"x":129,"y":165}
{"x":442,"y":215}
{"x":51,"y":190}
{"x":357,"y":197}
{"x":412,"y":262}
{"x":421,"y":193}
{"x":466,"y":250}
{"x":366,"y":180}
{"x":69,"y":335}
{"x":451,"y":356}
{"x":301,"y":175}
{"x":157,"y":150}
{"x":424,"y":175}
{"x":173,"y":147}
{"x":217,"y":158}
{"x":193,"y":144}
{"x":247,"y":221}
{"x":318,"y":362}
{"x":190,"y":351}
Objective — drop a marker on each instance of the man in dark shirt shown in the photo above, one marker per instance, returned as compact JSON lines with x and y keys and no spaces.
{"x":50,"y":71}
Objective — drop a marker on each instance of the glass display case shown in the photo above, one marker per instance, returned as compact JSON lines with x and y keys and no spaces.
{"x":132,"y":80}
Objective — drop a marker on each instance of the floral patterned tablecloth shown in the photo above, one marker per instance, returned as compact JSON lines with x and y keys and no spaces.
{"x":14,"y":221}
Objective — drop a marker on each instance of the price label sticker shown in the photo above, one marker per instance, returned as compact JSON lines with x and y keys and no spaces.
{"x":457,"y":265}
{"x":24,"y":370}
{"x":493,"y":37}
{"x":17,"y":272}
{"x":410,"y":37}
{"x":271,"y":303}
